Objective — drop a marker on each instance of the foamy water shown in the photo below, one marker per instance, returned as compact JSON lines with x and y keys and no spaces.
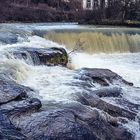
{"x":127,"y":65}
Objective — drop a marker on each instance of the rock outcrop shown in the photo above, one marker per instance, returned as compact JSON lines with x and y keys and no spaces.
{"x":41,"y":56}
{"x":104,"y":77}
{"x":109,"y":87}
{"x":73,"y":121}
{"x":10,"y":90}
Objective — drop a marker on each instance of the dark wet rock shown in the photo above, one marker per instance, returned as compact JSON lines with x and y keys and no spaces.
{"x":114,"y":110}
{"x":98,"y":87}
{"x":10,"y":90}
{"x":8,"y":131}
{"x":71,"y":122}
{"x":103,"y":125}
{"x":127,"y":104}
{"x":109,"y":92}
{"x":82,"y":84}
{"x":104,"y":77}
{"x":42,"y":56}
{"x":14,"y":103}
{"x":22,"y":108}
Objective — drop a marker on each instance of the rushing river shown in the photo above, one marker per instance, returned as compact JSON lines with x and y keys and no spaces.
{"x":114,"y":48}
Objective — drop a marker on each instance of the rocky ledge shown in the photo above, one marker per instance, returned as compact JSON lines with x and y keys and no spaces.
{"x":91,"y":115}
{"x":41,"y":56}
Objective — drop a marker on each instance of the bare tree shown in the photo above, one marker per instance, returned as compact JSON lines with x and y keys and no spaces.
{"x":78,"y":46}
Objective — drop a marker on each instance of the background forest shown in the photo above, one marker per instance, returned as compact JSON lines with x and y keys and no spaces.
{"x":104,"y":12}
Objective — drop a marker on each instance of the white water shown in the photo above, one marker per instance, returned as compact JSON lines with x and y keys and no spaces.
{"x":49,"y":81}
{"x":127,"y":65}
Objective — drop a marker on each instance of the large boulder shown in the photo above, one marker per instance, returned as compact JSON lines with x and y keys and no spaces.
{"x":23,"y":108}
{"x":10,"y":90}
{"x":71,"y":122}
{"x":41,"y":56}
{"x":103,"y":77}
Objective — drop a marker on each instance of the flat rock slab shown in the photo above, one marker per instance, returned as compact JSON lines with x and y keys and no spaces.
{"x":42,"y":56}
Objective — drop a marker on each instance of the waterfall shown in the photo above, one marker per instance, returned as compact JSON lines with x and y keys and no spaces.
{"x":14,"y":69}
{"x":97,"y":42}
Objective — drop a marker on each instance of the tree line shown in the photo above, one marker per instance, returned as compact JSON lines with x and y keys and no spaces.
{"x":104,"y":11}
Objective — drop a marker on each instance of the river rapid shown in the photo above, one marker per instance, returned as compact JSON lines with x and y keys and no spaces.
{"x":49,"y":81}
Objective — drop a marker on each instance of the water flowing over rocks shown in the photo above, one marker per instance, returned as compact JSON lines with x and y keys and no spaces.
{"x":106,"y":80}
{"x":12,"y":35}
{"x":42,"y":56}
{"x":88,"y":117}
{"x":8,"y":38}
{"x":97,"y":111}
{"x":104,"y":77}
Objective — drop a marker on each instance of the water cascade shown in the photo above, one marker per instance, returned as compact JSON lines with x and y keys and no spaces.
{"x":67,"y":94}
{"x":97,"y":42}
